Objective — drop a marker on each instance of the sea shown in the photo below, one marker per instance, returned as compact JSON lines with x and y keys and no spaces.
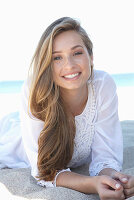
{"x":10,"y":96}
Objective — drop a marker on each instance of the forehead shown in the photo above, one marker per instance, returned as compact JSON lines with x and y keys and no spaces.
{"x":67,"y":39}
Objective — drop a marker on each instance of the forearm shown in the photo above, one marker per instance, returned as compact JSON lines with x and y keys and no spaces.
{"x":81,"y":183}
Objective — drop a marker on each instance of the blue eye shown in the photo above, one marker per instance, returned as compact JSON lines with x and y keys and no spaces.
{"x":78,"y":53}
{"x":57,"y":58}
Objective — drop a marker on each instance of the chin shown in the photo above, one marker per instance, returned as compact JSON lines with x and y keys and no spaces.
{"x":70,"y":87}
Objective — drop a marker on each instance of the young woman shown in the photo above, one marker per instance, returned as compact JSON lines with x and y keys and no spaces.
{"x":69,"y":116}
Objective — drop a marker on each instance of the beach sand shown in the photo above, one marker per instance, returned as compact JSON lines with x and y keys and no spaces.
{"x":24,"y":187}
{"x":18,"y":184}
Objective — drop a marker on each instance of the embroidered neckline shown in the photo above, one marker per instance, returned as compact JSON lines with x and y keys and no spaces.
{"x":87,"y":103}
{"x":84,"y":131}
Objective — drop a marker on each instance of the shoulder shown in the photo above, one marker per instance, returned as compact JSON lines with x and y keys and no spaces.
{"x":104,"y":87}
{"x":101,"y":76}
{"x":102,"y":79}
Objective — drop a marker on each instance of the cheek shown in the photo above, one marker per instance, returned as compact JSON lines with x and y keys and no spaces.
{"x":86,"y":64}
{"x":85,"y":60}
{"x":87,"y":67}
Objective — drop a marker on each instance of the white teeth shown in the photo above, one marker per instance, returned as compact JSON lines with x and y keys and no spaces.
{"x":71,"y":75}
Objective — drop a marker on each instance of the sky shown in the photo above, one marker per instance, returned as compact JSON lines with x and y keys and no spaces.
{"x":109,"y":24}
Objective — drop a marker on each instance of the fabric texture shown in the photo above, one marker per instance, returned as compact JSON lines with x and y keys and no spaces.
{"x":98,"y":122}
{"x":98,"y":132}
{"x":18,"y":184}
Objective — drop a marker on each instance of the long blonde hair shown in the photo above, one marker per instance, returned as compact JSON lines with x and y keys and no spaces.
{"x":56,"y":140}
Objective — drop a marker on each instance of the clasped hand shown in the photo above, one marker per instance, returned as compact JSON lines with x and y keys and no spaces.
{"x":120,"y":186}
{"x":127,"y":182}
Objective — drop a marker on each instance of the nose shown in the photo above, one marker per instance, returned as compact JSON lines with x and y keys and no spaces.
{"x":69,"y":62}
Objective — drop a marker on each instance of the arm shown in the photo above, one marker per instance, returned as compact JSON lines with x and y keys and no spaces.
{"x":31,"y":128}
{"x":107,"y":146}
{"x":107,"y":171}
{"x":30,"y":131}
{"x":77,"y":182}
{"x":91,"y":185}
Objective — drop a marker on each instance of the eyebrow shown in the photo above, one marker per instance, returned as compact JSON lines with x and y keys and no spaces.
{"x":71,"y":49}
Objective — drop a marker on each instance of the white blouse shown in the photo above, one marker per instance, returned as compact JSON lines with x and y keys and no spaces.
{"x":98,"y":138}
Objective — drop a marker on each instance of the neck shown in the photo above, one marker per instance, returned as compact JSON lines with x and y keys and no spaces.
{"x":75,"y":100}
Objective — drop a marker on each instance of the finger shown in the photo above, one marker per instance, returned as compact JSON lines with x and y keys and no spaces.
{"x":123,"y":197}
{"x":113,"y":194}
{"x":129,"y":184}
{"x":123,"y":178}
{"x":129,"y":192}
{"x":112,"y":183}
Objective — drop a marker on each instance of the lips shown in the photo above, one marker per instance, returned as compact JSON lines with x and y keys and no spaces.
{"x":72,"y":76}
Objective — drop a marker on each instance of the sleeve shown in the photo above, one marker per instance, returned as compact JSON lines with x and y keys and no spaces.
{"x":30,"y":130}
{"x":107,"y":145}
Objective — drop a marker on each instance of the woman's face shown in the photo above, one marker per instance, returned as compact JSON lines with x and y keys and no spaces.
{"x":71,"y":63}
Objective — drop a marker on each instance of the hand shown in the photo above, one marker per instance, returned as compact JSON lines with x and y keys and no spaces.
{"x":127,"y":182}
{"x":109,"y":189}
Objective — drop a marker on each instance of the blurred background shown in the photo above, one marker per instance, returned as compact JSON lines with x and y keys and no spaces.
{"x":109,"y":23}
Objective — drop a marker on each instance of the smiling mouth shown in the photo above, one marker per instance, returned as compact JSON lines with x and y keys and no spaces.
{"x":72,"y":76}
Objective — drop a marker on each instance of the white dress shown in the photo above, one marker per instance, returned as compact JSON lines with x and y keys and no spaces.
{"x":98,"y":138}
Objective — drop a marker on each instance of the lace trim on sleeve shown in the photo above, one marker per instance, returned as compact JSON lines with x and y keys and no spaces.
{"x":51,"y":183}
{"x":94,"y":171}
{"x":64,"y":170}
{"x":45,"y":183}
